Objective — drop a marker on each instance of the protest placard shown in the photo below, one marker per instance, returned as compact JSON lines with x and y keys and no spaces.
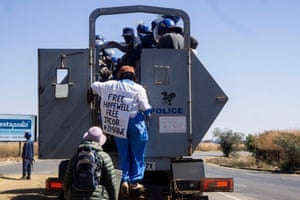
{"x":115,"y":109}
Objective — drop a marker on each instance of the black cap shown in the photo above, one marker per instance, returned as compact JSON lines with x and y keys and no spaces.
{"x":128,"y":31}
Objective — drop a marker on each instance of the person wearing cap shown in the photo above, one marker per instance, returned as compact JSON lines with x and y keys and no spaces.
{"x":133,"y":50}
{"x":108,"y":189}
{"x":131,"y":149}
{"x":27,"y":156}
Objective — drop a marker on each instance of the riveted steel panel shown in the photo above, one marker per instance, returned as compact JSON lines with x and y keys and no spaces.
{"x":62,"y":121}
{"x":208,"y":100}
{"x":164,"y":75}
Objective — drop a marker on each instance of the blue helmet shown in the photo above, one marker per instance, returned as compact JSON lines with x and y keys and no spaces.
{"x":99,"y":37}
{"x":27,"y":135}
{"x":142,"y":28}
{"x":164,"y":25}
{"x":172,"y":17}
{"x":114,"y":59}
{"x":167,"y":22}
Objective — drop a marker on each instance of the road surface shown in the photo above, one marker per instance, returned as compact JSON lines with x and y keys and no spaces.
{"x":248,"y":184}
{"x":254,"y":185}
{"x":39,"y":167}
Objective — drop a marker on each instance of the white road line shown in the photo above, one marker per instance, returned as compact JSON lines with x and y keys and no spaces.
{"x":241,"y":185}
{"x":229,"y":196}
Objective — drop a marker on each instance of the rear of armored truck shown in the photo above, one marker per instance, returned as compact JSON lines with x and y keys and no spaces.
{"x":184,"y":96}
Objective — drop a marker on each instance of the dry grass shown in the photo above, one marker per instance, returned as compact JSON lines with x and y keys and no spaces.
{"x":12,"y":187}
{"x":12,"y":150}
{"x":265,"y":140}
{"x":240,"y":161}
{"x":206,"y":146}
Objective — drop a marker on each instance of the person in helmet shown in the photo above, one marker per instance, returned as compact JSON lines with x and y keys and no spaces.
{"x":101,"y":41}
{"x":168,"y":35}
{"x":124,"y":109}
{"x":146,"y":36}
{"x":27,"y":156}
{"x":132,"y":54}
{"x":175,"y":18}
{"x":142,"y":29}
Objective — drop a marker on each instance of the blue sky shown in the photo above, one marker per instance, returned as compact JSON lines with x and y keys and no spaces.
{"x":250,"y":47}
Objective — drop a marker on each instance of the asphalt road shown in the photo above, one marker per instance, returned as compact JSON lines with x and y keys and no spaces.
{"x":39,"y":167}
{"x":248,"y":184}
{"x":254,"y":185}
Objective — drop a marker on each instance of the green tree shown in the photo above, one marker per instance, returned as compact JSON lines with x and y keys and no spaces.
{"x":227,"y":139}
{"x":250,"y":143}
{"x":290,"y":145}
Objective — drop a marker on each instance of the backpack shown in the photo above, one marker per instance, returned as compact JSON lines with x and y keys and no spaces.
{"x":87,"y":172}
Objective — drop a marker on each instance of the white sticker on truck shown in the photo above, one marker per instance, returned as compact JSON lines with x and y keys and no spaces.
{"x":172,"y":124}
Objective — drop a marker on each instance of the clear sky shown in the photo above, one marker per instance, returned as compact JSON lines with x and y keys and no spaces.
{"x":250,"y":47}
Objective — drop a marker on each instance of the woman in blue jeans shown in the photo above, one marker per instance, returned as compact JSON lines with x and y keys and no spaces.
{"x":131,"y":153}
{"x":131,"y":149}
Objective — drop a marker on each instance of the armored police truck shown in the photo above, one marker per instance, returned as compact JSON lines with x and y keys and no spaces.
{"x":184,"y":96}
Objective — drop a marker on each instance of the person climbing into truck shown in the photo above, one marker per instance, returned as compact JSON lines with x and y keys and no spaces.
{"x":124,"y":107}
{"x":27,"y":156}
{"x":90,"y":173}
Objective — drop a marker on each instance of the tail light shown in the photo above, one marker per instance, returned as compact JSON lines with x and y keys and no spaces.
{"x":54,"y":185}
{"x":216,"y":185}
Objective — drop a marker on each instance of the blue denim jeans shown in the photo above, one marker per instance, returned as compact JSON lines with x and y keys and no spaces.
{"x":26,"y":167}
{"x":131,"y":152}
